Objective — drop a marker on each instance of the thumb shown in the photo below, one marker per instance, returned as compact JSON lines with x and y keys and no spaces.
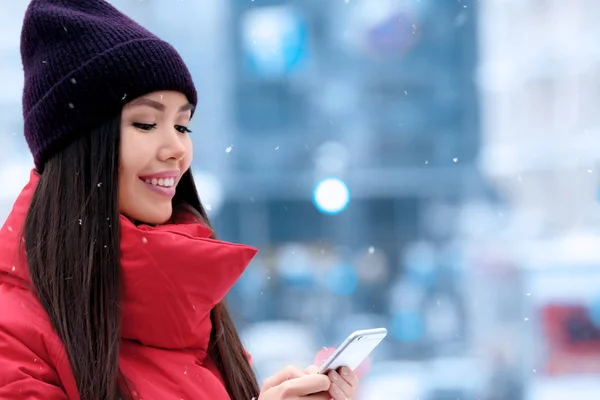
{"x":310,"y":370}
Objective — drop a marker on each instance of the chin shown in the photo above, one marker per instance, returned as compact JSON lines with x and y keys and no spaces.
{"x":161,"y":219}
{"x":154,"y":218}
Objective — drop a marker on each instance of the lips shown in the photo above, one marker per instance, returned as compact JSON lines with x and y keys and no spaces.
{"x":165,"y":174}
{"x":162,"y":182}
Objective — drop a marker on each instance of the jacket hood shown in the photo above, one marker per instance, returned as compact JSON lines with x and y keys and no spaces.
{"x":173,"y":275}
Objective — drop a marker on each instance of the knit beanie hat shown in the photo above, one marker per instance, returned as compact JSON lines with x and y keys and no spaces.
{"x":83,"y":60}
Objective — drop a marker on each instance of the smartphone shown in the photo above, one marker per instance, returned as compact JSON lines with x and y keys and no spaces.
{"x":354,"y":350}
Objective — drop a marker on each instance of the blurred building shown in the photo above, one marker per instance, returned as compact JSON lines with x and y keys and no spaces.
{"x":539,"y":77}
{"x":381,"y":96}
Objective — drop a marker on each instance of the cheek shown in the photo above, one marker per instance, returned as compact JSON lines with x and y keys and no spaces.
{"x":126,"y":195}
{"x":130,"y":163}
{"x":135,"y":151}
{"x":189,"y":154}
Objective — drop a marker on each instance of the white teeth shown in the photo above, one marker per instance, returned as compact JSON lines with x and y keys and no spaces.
{"x":165,"y":182}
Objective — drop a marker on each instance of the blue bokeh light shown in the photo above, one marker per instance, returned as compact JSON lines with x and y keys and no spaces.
{"x":342,"y":279}
{"x":407,"y":326}
{"x":594,"y":311}
{"x":331,"y":196}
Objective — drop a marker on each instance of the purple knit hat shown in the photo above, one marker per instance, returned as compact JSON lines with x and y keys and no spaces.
{"x":83,"y":60}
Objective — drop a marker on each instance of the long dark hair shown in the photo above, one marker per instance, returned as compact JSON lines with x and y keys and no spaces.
{"x":72,"y":242}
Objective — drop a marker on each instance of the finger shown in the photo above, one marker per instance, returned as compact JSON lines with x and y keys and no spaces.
{"x":318,"y":396}
{"x":340,"y":389}
{"x":349,"y":376}
{"x":312,"y":369}
{"x":303,"y":386}
{"x":285,"y":374}
{"x":336,"y":393}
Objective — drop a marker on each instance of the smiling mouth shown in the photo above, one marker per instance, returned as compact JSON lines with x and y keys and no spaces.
{"x":161,"y":186}
{"x":160,"y":182}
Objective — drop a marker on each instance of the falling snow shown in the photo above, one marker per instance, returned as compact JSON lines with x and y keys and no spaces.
{"x":364,"y":27}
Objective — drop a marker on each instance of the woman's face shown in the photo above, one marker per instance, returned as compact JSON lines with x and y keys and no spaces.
{"x":156,"y":150}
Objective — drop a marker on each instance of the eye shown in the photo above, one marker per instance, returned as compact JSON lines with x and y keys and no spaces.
{"x":144,"y":127}
{"x":182,"y":129}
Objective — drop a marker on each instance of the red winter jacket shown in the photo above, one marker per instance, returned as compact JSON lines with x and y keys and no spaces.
{"x":173,"y":276}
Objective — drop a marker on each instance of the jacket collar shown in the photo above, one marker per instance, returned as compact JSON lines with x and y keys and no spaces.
{"x":173,"y":275}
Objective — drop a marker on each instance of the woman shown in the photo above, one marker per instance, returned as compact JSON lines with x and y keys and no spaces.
{"x":111,"y":281}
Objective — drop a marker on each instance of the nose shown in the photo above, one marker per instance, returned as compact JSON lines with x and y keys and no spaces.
{"x":172,"y":147}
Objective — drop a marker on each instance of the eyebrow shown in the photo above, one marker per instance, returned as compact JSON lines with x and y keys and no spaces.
{"x":158,"y":105}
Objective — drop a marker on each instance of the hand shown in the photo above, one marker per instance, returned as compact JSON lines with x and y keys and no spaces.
{"x":293,"y":384}
{"x":344,"y":383}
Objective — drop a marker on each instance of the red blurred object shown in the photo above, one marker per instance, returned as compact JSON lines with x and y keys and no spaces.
{"x":573,"y":342}
{"x":361,"y":371}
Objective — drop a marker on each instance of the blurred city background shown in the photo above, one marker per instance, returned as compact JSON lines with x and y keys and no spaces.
{"x":429,"y":166}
